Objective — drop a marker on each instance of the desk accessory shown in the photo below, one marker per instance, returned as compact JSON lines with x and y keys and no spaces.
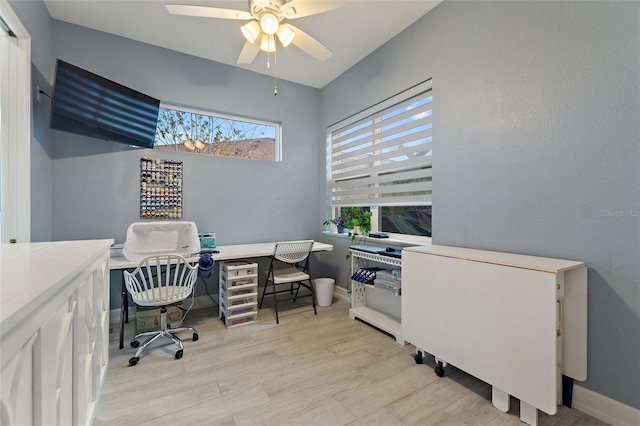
{"x":378,"y":235}
{"x":207,"y":240}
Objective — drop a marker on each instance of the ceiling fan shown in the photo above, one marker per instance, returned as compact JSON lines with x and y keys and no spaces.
{"x":266,"y":22}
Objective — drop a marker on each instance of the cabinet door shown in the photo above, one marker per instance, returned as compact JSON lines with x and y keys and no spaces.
{"x":84,"y":343}
{"x":53,"y":367}
{"x":91,"y":342}
{"x":101,"y":311}
{"x":16,"y":387}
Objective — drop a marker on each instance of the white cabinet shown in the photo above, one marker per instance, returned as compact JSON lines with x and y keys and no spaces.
{"x":54,"y":331}
{"x":516,"y":322}
{"x":91,"y":342}
{"x":376,"y":306}
{"x":238,"y":292}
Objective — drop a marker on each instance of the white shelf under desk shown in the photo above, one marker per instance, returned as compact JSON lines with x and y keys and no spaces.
{"x":372,"y":305}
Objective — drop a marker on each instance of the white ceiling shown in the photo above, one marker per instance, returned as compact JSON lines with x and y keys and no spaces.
{"x":350,"y":32}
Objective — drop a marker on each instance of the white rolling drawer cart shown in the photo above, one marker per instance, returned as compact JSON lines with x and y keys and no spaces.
{"x":238,"y":292}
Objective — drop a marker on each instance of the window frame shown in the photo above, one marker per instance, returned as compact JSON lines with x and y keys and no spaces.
{"x":425,"y":86}
{"x":226,"y":116}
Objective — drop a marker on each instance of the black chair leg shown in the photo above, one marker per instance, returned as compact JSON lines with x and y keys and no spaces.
{"x":297,"y":290}
{"x":266,"y":283}
{"x":313,"y":297}
{"x":275,"y":301}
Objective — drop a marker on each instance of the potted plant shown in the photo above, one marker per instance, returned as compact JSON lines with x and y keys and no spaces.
{"x":360,"y":225}
{"x":339,"y":223}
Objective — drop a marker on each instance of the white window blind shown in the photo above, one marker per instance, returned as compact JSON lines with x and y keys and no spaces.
{"x":382,"y":156}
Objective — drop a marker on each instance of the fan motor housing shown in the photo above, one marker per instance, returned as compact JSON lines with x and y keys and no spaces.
{"x":258,"y":7}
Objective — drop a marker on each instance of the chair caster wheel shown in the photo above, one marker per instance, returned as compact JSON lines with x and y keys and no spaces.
{"x":439,"y":371}
{"x":135,"y":344}
{"x":195,"y":337}
{"x":133,"y":361}
{"x":179,"y":354}
{"x":418,"y":359}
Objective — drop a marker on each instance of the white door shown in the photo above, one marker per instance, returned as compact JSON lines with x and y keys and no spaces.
{"x":15,"y":128}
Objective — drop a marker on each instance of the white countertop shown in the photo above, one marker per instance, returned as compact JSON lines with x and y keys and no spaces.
{"x":30,"y":273}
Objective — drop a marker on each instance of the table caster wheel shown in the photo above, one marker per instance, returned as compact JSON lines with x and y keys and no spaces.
{"x":135,"y":344}
{"x":133,"y":361}
{"x":439,"y":370}
{"x":179,"y":354}
{"x":418,"y":359}
{"x":195,"y":337}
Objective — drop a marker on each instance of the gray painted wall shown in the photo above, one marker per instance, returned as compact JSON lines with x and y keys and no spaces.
{"x":96,"y":183}
{"x":536,"y":130}
{"x":41,"y":161}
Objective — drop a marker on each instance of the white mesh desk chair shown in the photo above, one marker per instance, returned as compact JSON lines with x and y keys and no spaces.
{"x":160,"y":280}
{"x":290,"y":265}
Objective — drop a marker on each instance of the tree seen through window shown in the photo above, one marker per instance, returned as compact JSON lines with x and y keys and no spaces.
{"x":198,"y":132}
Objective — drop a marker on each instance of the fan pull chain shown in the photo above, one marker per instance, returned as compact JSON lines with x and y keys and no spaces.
{"x":275,"y":63}
{"x":275,"y":73}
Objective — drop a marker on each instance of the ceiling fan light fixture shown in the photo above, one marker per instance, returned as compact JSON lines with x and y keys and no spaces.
{"x":189,"y":144}
{"x":269,"y":23}
{"x":199,"y":144}
{"x":285,"y":35}
{"x":268,"y":43}
{"x":251,"y":31}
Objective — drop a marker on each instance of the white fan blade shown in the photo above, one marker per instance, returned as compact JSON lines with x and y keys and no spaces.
{"x":301,"y":8}
{"x":207,"y":12}
{"x":249,"y":52}
{"x":309,"y":44}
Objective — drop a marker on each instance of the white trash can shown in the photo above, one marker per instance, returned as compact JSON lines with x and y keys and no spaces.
{"x":324,"y":291}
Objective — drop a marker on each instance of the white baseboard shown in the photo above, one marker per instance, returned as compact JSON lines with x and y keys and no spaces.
{"x":200,"y":302}
{"x":341,"y":292}
{"x":205,"y":302}
{"x":604,"y":408}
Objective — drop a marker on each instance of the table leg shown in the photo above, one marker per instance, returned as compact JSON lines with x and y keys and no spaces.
{"x":528,"y":414}
{"x":500,"y":399}
{"x":124,"y":312}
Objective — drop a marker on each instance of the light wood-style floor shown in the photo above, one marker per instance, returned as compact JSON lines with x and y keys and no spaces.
{"x":309,"y":370}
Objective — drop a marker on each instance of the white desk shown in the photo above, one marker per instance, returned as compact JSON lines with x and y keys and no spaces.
{"x":238,"y":251}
